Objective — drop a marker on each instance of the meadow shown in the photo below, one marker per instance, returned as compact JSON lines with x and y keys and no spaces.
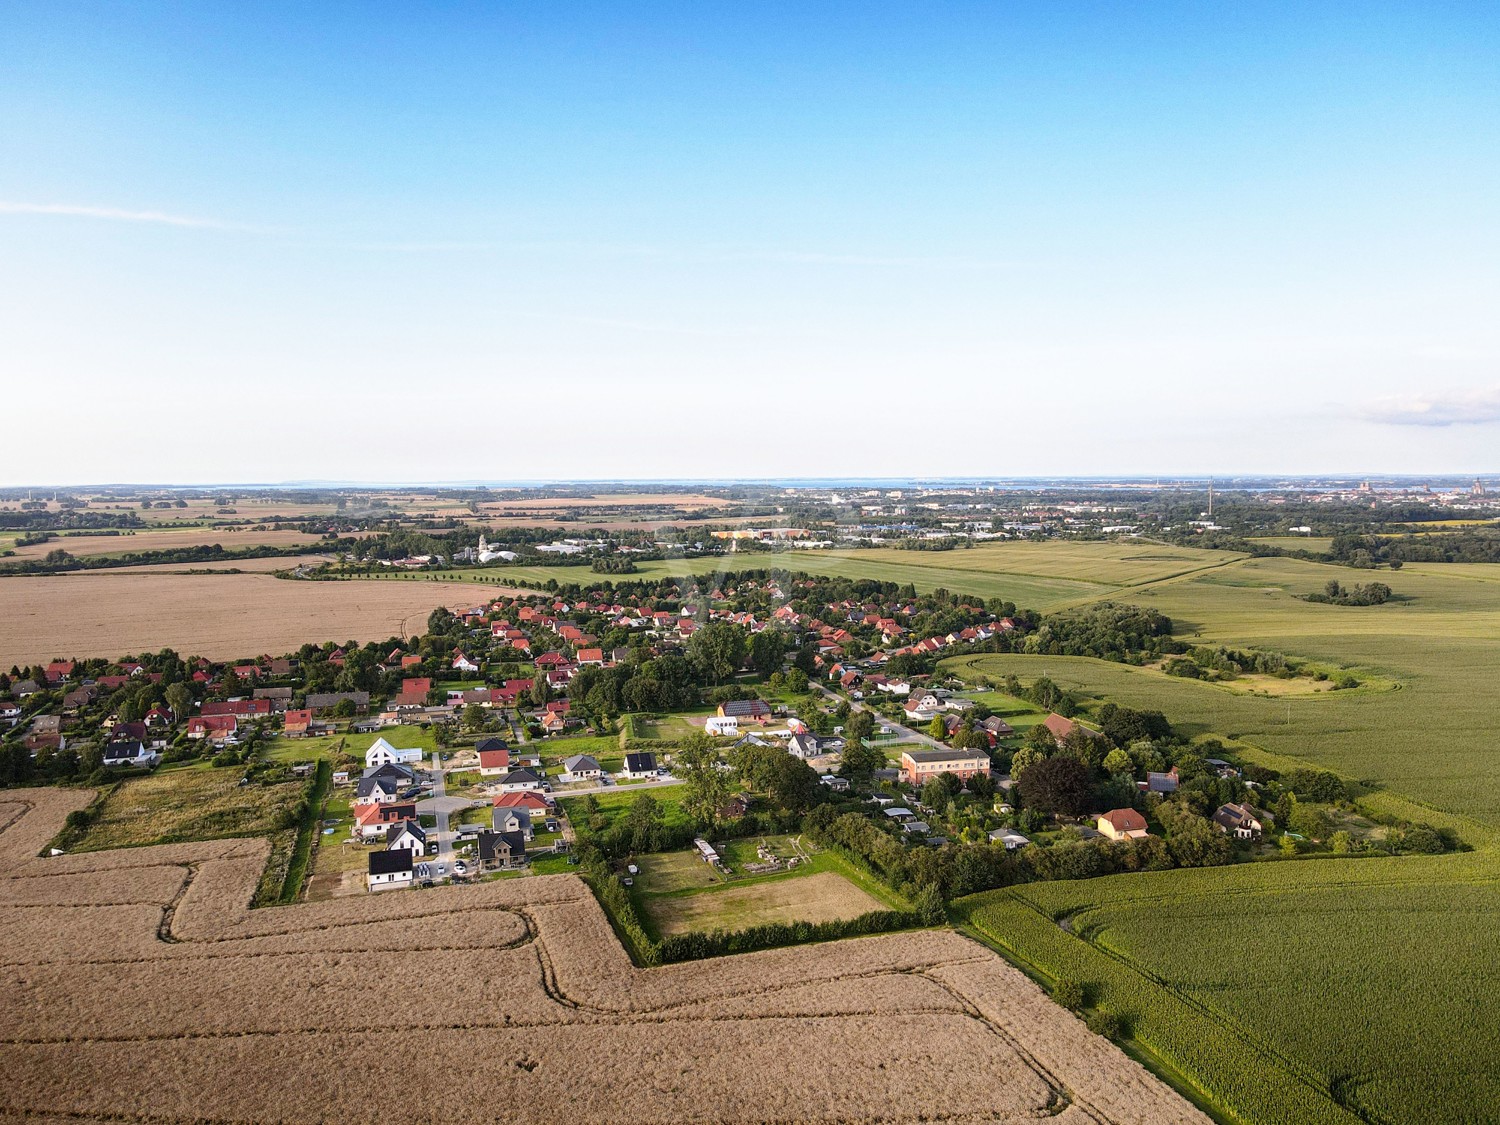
{"x":196,"y":802}
{"x":137,"y":985}
{"x":1040,"y":576}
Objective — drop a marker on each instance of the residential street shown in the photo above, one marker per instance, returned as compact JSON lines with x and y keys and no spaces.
{"x":904,"y":733}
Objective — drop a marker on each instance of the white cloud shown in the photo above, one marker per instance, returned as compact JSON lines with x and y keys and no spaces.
{"x":116,"y":214}
{"x":1472,"y":407}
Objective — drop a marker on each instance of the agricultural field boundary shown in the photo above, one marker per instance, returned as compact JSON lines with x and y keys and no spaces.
{"x":299,"y":996}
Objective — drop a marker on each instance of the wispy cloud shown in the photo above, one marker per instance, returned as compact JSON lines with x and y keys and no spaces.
{"x":114,"y":214}
{"x":1471,"y":407}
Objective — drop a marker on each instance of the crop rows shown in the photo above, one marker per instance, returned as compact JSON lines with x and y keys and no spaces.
{"x":140,"y":984}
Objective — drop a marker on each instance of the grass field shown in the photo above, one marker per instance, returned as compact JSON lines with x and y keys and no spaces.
{"x":1320,"y":990}
{"x":615,"y":804}
{"x":151,"y":539}
{"x":678,"y":892}
{"x":1033,"y":575}
{"x":220,"y":616}
{"x":188,"y":803}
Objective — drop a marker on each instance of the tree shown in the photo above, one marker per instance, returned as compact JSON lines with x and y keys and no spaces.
{"x":1024,"y":758}
{"x":766,"y":651}
{"x":929,"y":904}
{"x":1061,"y":784}
{"x":938,"y":728}
{"x":474,"y":717}
{"x":719,"y":648}
{"x":860,"y":759}
{"x":860,"y":726}
{"x":646,"y":822}
{"x":706,"y":787}
{"x":935,"y":795}
{"x":179,"y":699}
{"x":982,"y":785}
{"x":1118,"y":762}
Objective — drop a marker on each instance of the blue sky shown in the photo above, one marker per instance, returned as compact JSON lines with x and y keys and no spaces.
{"x":381,"y":241}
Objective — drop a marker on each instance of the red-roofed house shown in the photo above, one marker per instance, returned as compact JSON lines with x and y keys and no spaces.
{"x":241,"y":707}
{"x":591,"y":656}
{"x":59,"y":670}
{"x":493,"y":763}
{"x":215,"y":728}
{"x":295,"y":724}
{"x":1123,"y":824}
{"x":531,"y":802}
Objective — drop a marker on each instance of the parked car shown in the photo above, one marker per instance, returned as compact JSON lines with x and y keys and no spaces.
{"x":442,"y":869}
{"x":460,"y":867}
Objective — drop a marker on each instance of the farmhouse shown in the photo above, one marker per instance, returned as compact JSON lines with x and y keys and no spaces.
{"x":919,"y":765}
{"x":296,"y":724}
{"x":1123,"y":824}
{"x":318,"y":702}
{"x":382,"y":753}
{"x":389,"y":869}
{"x":215,"y":728}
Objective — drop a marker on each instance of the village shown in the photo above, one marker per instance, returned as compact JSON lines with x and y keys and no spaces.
{"x":517,"y":729}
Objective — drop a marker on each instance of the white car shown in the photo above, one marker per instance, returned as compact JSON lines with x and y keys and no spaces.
{"x":442,"y":869}
{"x":460,"y":867}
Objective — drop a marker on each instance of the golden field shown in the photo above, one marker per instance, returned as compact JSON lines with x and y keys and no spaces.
{"x":220,"y":616}
{"x":136,"y":984}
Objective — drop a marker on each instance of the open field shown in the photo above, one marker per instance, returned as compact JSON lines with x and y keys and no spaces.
{"x":131,"y":542}
{"x":1332,"y":990}
{"x":1039,"y":576}
{"x":1318,"y":544}
{"x":1316,"y":987}
{"x":822,"y":897}
{"x":188,"y":803}
{"x":220,"y":616}
{"x":136,"y":984}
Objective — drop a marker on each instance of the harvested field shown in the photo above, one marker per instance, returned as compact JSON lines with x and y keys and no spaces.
{"x":220,"y":616}
{"x":166,"y":539}
{"x":824,"y":897}
{"x":137,"y":985}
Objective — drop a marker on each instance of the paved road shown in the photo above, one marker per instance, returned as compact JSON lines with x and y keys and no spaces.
{"x":903,"y":732}
{"x":632,"y":787}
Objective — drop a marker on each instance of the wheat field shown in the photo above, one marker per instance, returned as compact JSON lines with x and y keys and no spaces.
{"x":136,"y":984}
{"x":220,"y":616}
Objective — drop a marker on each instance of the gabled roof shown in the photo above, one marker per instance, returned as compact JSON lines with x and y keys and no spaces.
{"x":390,"y":862}
{"x":640,"y":763}
{"x":580,"y":762}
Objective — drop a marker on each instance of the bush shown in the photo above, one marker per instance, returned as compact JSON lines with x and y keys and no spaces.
{"x":1106,"y":1023}
{"x":1068,"y":993}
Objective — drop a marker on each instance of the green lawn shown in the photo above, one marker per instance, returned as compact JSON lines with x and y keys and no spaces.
{"x":615,"y":804}
{"x":178,"y":805}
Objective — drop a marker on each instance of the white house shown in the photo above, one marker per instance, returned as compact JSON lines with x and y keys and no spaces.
{"x":639,"y":765}
{"x":382,"y":753}
{"x":519,"y":781}
{"x":725,"y":725}
{"x":580,"y":767}
{"x":1011,"y":840}
{"x":130,"y":752}
{"x":389,"y":869}
{"x":462,"y":663}
{"x":410,"y":835}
